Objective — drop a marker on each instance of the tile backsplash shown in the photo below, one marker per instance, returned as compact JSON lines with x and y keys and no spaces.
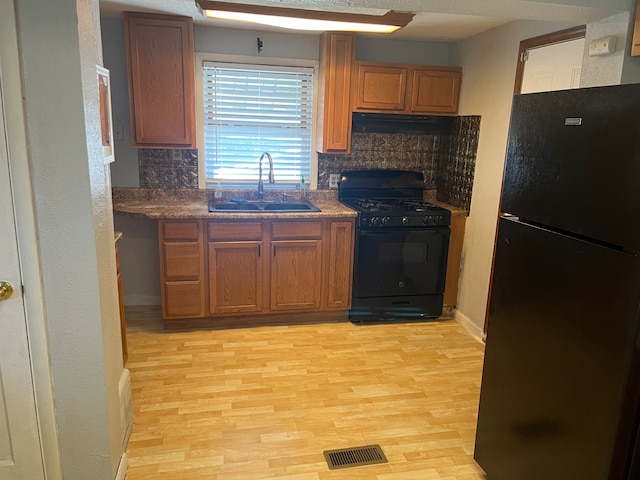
{"x":446,"y":159}
{"x":162,"y":168}
{"x":457,"y":163}
{"x":384,"y":150}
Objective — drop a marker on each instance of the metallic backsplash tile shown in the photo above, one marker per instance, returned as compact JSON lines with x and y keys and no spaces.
{"x":447,"y":161}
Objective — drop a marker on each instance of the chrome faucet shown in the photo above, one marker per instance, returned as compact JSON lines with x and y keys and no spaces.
{"x":271,"y":177}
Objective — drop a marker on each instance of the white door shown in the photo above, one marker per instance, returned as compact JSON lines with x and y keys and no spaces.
{"x":20,"y":451}
{"x":553,"y":67}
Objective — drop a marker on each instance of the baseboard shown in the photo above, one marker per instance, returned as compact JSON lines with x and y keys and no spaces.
{"x":123,"y":466}
{"x":141,"y":299}
{"x":469,"y":326}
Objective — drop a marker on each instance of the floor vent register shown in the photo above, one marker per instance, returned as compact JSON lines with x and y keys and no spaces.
{"x":354,"y":457}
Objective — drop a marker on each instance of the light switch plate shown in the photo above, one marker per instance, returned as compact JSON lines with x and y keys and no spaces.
{"x":334,"y":178}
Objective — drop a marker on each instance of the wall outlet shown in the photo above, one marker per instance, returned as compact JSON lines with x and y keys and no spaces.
{"x":118,"y":131}
{"x":334,"y":178}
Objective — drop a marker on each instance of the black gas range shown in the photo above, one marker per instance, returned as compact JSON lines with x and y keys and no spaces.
{"x":401,"y":248}
{"x":398,"y":213}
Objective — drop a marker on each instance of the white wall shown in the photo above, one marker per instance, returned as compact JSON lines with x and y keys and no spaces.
{"x":401,"y":51}
{"x":60,"y":47}
{"x":124,"y":171}
{"x":606,"y":69}
{"x":488,"y":76}
{"x":489,"y":65}
{"x":619,"y":67}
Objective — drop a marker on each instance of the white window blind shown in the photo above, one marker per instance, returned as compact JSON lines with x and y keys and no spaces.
{"x":251,"y":109}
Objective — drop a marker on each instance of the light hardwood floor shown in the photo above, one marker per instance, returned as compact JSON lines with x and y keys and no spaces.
{"x":265,"y":402}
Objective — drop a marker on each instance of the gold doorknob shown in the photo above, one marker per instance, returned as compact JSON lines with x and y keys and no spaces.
{"x":6,"y":290}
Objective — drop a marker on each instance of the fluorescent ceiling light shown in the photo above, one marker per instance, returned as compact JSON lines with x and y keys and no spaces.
{"x":301,"y":19}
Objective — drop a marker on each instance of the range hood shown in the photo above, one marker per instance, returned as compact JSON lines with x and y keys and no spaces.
{"x":397,"y":123}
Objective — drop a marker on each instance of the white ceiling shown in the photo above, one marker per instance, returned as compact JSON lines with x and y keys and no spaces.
{"x":435,"y":20}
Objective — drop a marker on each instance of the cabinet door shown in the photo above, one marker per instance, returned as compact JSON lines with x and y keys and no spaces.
{"x":435,"y":90}
{"x":123,"y":323}
{"x":296,"y":274}
{"x":160,"y":59}
{"x":182,"y":268}
{"x":339,"y":265}
{"x":334,"y":119}
{"x":635,"y":43}
{"x":235,"y":277}
{"x":380,"y":87}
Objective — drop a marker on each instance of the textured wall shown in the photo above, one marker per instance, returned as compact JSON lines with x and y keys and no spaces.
{"x":75,"y":229}
{"x":605,"y":69}
{"x":489,"y":62}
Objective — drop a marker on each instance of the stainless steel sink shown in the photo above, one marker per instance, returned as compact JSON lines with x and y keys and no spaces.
{"x":253,"y":206}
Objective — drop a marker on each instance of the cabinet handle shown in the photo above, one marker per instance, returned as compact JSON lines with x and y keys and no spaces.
{"x":259,"y":250}
{"x":274,"y":250}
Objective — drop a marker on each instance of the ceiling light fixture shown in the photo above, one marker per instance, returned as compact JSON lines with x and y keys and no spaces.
{"x":301,"y":19}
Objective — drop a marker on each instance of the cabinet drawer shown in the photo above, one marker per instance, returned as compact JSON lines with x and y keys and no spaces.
{"x":182,"y":261}
{"x":183,"y":299}
{"x":176,"y":231}
{"x":296,"y":230}
{"x":222,"y":231}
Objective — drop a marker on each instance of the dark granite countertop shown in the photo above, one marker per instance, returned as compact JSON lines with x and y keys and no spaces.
{"x":193,"y":203}
{"x":158,"y":204}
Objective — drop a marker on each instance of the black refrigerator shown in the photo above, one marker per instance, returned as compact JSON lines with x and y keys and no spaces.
{"x":561,"y":377}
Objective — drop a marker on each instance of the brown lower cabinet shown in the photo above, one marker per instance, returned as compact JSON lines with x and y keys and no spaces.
{"x":456,"y":240}
{"x":182,"y":268}
{"x":218,"y":268}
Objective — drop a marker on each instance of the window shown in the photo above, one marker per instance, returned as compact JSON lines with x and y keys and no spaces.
{"x":251,"y":109}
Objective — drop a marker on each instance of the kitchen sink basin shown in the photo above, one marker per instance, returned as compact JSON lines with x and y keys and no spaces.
{"x":291,"y":207}
{"x":253,"y":206}
{"x":233,"y":207}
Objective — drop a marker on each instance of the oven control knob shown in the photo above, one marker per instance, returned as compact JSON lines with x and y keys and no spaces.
{"x":384,"y":221}
{"x":405,"y":220}
{"x":426,"y":220}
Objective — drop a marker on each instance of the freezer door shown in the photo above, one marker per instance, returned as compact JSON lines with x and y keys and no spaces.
{"x":573,"y":162}
{"x":561,"y":332}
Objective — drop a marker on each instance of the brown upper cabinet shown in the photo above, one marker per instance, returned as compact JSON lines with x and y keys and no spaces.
{"x":160,"y":62}
{"x":334,"y":97}
{"x":400,"y":88}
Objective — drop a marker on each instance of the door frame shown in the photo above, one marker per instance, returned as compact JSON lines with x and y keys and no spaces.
{"x":26,"y":228}
{"x":543,"y":41}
